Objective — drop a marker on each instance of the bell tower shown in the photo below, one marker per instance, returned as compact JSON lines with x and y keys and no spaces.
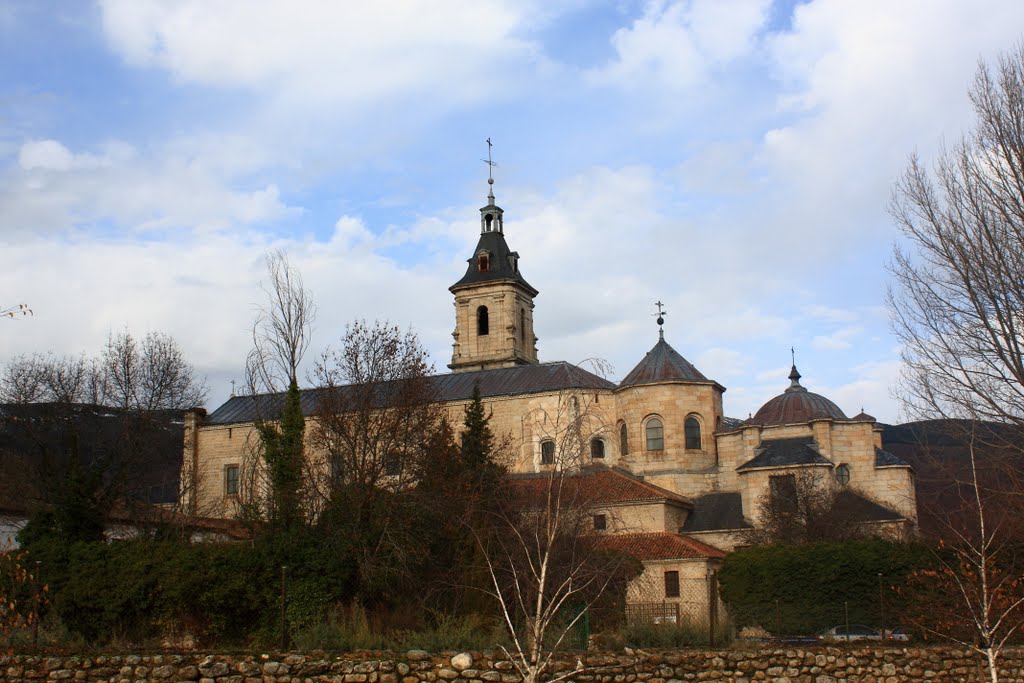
{"x":493,"y":302}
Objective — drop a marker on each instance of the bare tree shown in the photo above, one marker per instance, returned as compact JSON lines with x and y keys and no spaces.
{"x":378,"y":417}
{"x":273,"y":471}
{"x":153,"y":375}
{"x":975,"y":596}
{"x":54,"y":379}
{"x":959,"y":291}
{"x":545,"y":560}
{"x":283,"y":328}
{"x":957,"y":307}
{"x":807,"y":507}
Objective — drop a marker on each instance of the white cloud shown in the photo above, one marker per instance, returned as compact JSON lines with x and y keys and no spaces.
{"x":56,"y":189}
{"x":674,"y":44}
{"x":317,"y":50}
{"x":837,"y":340}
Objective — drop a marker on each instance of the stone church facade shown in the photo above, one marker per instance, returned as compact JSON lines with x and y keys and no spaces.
{"x":693,"y":481}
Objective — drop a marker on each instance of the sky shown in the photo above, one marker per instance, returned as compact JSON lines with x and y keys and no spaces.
{"x":732,"y":159}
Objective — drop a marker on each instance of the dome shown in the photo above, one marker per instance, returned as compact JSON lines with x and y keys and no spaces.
{"x":796,"y":405}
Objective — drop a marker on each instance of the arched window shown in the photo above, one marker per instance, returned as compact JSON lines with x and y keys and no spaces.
{"x":574,"y":407}
{"x":488,"y":221}
{"x":547,"y":452}
{"x":692,"y":430}
{"x":597,"y":449}
{"x":483,"y":263}
{"x":482,"y":324}
{"x":623,"y":439}
{"x":655,"y":433}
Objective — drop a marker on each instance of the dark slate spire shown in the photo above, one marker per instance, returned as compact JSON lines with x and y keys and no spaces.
{"x":492,"y":260}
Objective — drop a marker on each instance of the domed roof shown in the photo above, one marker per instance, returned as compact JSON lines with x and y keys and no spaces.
{"x":796,"y":405}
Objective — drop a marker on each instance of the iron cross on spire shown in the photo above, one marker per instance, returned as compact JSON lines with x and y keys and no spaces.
{"x":490,"y":163}
{"x":661,"y":318}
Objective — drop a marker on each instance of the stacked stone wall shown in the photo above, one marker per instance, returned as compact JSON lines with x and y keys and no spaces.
{"x":813,"y":665}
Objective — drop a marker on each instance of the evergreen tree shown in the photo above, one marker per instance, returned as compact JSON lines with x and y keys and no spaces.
{"x":283,"y":452}
{"x":477,"y":439}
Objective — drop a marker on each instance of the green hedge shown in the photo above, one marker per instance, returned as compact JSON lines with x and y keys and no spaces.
{"x":808,"y":588}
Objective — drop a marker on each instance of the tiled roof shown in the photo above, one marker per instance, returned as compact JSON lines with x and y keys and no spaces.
{"x":796,"y":405}
{"x":453,"y":386}
{"x":887,"y":459}
{"x":716,"y":512}
{"x":800,"y":450}
{"x":661,"y":545}
{"x":662,"y":364}
{"x":595,"y":486}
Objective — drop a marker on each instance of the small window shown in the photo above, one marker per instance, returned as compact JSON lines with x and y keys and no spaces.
{"x":483,"y":325}
{"x":522,"y":326}
{"x":692,"y":429}
{"x":483,"y":263}
{"x":672,"y":584}
{"x":574,"y":407}
{"x":231,"y":480}
{"x":547,"y":452}
{"x":600,"y":522}
{"x":783,"y":492}
{"x":843,"y":475}
{"x":392,"y":465}
{"x":655,"y":435}
{"x":623,"y":439}
{"x":597,"y":449}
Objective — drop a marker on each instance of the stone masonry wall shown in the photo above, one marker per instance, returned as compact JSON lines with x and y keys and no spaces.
{"x":817,"y":665}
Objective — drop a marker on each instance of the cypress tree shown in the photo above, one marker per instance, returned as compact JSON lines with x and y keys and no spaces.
{"x":283,"y":451}
{"x":477,"y":439}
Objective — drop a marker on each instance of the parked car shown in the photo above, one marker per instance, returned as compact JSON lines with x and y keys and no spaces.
{"x":898,"y":634}
{"x":849,"y":634}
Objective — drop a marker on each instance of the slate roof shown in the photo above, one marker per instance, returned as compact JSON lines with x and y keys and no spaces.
{"x":859,"y":509}
{"x":661,"y":545}
{"x":662,"y":364}
{"x":802,"y":450}
{"x":887,"y":459}
{"x":453,"y":386}
{"x":596,"y":485}
{"x":500,"y":263}
{"x":716,"y":512}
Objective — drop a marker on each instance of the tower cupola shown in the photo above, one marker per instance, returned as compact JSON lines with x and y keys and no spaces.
{"x":493,"y":302}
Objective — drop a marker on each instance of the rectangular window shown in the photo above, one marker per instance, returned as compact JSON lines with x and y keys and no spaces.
{"x":672,"y":584}
{"x":231,"y":480}
{"x":547,"y":452}
{"x":783,"y":492}
{"x":600,"y":522}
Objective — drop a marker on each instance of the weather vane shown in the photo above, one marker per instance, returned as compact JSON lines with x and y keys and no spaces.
{"x":661,"y":318}
{"x":490,"y":163}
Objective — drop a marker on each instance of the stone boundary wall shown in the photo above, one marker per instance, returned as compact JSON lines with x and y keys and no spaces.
{"x":814,"y":665}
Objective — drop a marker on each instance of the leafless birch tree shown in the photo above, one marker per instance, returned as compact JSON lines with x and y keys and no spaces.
{"x":957,"y":308}
{"x":959,"y":278}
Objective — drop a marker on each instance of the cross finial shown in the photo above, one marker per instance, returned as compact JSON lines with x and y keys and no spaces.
{"x":490,"y":173}
{"x":232,"y":388}
{"x":661,"y":318}
{"x":792,"y":354}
